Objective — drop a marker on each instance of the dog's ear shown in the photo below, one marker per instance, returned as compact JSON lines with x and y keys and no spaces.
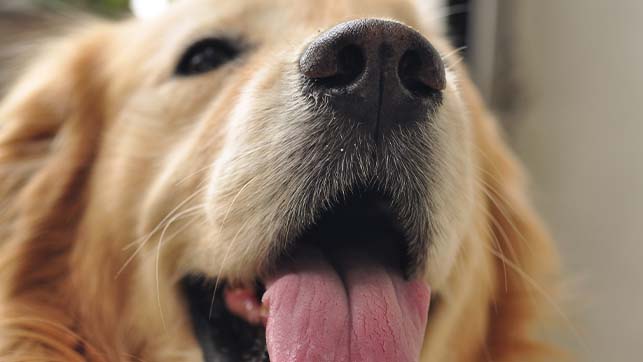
{"x":526,"y":266}
{"x":50,"y":123}
{"x":50,"y":126}
{"x":51,"y":118}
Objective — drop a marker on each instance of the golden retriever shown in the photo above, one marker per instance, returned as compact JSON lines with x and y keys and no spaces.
{"x":256,"y":180}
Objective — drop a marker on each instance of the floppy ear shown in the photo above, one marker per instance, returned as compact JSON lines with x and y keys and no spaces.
{"x":525,"y":263}
{"x":50,"y":124}
{"x":50,"y":120}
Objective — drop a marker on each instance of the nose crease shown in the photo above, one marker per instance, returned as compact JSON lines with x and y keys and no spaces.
{"x":380,"y":101}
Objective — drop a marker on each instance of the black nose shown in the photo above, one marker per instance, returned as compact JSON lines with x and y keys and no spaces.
{"x":381,"y":73}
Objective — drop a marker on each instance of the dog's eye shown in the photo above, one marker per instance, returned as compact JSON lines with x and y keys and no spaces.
{"x":206,"y":55}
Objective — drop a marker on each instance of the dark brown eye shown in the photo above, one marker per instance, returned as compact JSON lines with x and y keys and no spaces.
{"x":206,"y":55}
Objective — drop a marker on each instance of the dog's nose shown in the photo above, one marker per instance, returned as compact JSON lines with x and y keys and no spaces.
{"x":375,"y":71}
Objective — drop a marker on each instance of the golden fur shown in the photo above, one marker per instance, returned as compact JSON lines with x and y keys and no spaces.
{"x":116,"y":180}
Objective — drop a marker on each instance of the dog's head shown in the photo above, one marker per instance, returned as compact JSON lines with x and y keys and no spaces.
{"x":263,"y":119}
{"x":322,"y":150}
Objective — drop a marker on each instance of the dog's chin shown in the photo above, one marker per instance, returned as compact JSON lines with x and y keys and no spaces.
{"x":359,"y":236}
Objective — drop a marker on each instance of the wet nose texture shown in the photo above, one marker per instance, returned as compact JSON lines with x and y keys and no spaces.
{"x":378,"y":73}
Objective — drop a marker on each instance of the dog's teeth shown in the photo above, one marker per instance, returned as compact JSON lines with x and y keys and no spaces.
{"x":263,"y":313}
{"x":243,"y":303}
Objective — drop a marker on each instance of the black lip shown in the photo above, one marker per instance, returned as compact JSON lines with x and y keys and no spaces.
{"x":223,"y":337}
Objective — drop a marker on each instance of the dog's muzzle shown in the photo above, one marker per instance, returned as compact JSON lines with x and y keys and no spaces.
{"x":344,"y":281}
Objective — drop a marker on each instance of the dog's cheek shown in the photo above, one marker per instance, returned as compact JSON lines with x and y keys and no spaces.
{"x":454,"y":194}
{"x":242,"y":181}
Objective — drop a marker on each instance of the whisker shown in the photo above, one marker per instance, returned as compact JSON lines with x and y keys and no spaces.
{"x":538,"y":288}
{"x":225,"y":257}
{"x":499,"y":201}
{"x":221,"y":228}
{"x":502,"y":207}
{"x":453,"y":52}
{"x":498,"y":226}
{"x":195,"y":173}
{"x":144,"y":239}
{"x":493,"y":196}
{"x":497,"y":243}
{"x":234,"y":199}
{"x":451,"y":66}
{"x":187,"y":213}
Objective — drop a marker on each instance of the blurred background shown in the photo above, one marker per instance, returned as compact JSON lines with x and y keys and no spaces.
{"x":566,"y":80}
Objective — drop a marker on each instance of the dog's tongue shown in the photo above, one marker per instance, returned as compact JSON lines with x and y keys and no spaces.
{"x":368,"y":312}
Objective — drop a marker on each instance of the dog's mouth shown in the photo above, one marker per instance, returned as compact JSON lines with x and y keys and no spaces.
{"x":338,"y":293}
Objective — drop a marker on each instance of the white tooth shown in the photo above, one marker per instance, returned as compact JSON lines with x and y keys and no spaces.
{"x":249,"y":305}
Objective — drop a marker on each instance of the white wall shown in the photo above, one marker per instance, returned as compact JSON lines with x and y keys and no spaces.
{"x":579,"y":128}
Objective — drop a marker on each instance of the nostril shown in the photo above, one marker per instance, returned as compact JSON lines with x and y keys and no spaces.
{"x":351,"y":62}
{"x":420,"y":74}
{"x":409,"y":70}
{"x":350,"y":65}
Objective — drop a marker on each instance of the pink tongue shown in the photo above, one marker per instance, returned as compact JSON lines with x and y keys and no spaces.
{"x":372,"y":315}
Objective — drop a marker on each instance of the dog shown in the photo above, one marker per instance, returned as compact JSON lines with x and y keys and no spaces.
{"x":264,"y":181}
